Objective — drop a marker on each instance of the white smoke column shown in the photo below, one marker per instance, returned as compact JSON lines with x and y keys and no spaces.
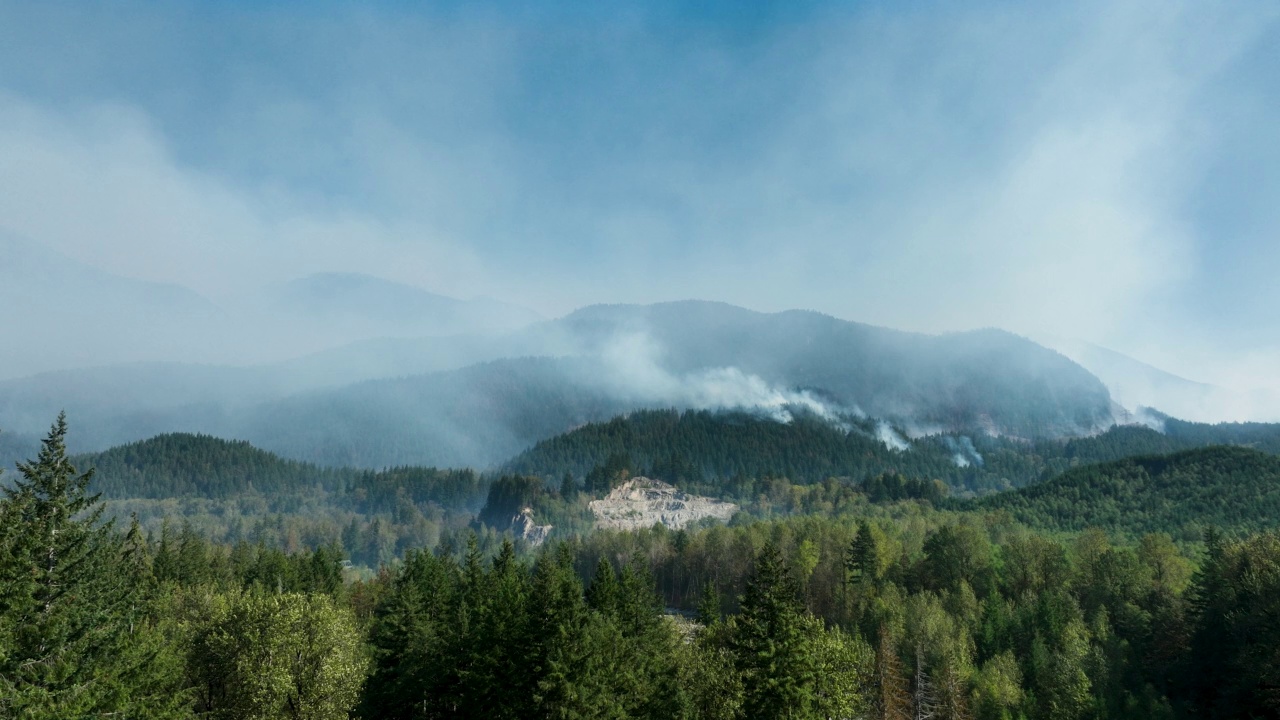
{"x":1145,"y":416}
{"x":636,"y":371}
{"x":729,"y":387}
{"x":963,"y":452}
{"x":890,"y":437}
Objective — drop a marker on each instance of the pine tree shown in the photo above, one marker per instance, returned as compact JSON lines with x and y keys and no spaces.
{"x":568,"y":488}
{"x":864,"y":555}
{"x":77,"y":639}
{"x":603,"y":593}
{"x":709,"y":604}
{"x":774,"y":652}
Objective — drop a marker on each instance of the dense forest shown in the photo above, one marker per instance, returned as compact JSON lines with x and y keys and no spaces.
{"x":1183,"y":494}
{"x":232,"y":492}
{"x":899,"y":610}
{"x":708,"y":451}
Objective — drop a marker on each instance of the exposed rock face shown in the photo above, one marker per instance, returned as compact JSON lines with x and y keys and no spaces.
{"x":643,"y":502}
{"x":523,"y":526}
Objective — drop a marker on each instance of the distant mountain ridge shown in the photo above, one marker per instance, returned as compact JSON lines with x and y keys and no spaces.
{"x":508,"y":392}
{"x":602,"y":361}
{"x":364,"y":306}
{"x":60,"y":313}
{"x":1136,"y":385}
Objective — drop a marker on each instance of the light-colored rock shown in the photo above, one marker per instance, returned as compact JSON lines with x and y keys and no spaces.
{"x":642,"y":502}
{"x":523,"y":526}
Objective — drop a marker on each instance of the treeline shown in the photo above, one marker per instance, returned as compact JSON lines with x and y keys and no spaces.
{"x":232,"y":492}
{"x":707,"y":450}
{"x":181,"y":465}
{"x":98,"y":623}
{"x":905,"y":612}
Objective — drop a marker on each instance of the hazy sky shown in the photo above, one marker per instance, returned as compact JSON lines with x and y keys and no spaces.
{"x":1108,"y":171}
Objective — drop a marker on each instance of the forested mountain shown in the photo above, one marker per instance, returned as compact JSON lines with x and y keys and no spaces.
{"x":591,"y":365}
{"x":1231,"y":488}
{"x":709,"y":452}
{"x":688,"y":355}
{"x":980,"y":378}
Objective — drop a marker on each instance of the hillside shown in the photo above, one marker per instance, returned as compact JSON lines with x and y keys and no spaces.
{"x":606,"y":360}
{"x":231,"y":491}
{"x":1232,"y":488}
{"x":709,"y":450}
{"x":476,"y":401}
{"x":984,"y":377}
{"x":181,"y":465}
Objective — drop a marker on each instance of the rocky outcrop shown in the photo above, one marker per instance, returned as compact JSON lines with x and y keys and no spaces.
{"x":643,"y":502}
{"x":523,"y":526}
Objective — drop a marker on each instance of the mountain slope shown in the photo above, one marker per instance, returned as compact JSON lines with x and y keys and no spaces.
{"x":1135,"y":384}
{"x":186,"y":466}
{"x":708,"y":451}
{"x":980,"y":378}
{"x":688,"y":355}
{"x":1232,"y":488}
{"x":592,"y":365}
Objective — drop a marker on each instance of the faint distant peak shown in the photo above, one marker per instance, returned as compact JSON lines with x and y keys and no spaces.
{"x":382,"y":306}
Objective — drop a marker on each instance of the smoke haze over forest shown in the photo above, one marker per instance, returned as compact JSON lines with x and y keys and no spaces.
{"x":1101,"y":173}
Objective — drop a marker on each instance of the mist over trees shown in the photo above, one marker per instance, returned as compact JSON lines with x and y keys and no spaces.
{"x":476,"y":400}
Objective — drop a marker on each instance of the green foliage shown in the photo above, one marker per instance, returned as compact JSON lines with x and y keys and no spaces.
{"x":77,"y":638}
{"x":1180,"y":494}
{"x":892,"y":609}
{"x":264,"y":656}
{"x":509,"y":641}
{"x":508,"y":495}
{"x":1236,"y":642}
{"x":734,"y":454}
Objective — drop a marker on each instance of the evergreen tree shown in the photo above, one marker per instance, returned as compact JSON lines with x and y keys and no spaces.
{"x":75,"y":639}
{"x":774,"y":650}
{"x":709,"y":604}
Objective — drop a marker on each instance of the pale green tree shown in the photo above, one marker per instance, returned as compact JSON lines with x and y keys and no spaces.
{"x":285,"y":655}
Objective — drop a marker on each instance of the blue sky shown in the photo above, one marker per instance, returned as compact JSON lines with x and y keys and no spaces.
{"x":1102,"y":170}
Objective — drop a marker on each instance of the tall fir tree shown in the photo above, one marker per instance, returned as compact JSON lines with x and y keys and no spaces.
{"x":77,"y":638}
{"x":774,"y":649}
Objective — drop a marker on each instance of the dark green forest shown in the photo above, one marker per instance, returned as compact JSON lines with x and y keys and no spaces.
{"x":710,"y":451}
{"x":1184,"y":494}
{"x":881,"y":600}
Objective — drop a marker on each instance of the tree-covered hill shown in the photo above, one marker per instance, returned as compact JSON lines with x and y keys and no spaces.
{"x":705,"y":450}
{"x":953,"y":380}
{"x":1232,"y":488}
{"x":231,"y":491}
{"x":181,"y":465}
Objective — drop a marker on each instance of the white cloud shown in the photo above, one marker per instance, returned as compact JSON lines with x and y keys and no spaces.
{"x":101,"y":186}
